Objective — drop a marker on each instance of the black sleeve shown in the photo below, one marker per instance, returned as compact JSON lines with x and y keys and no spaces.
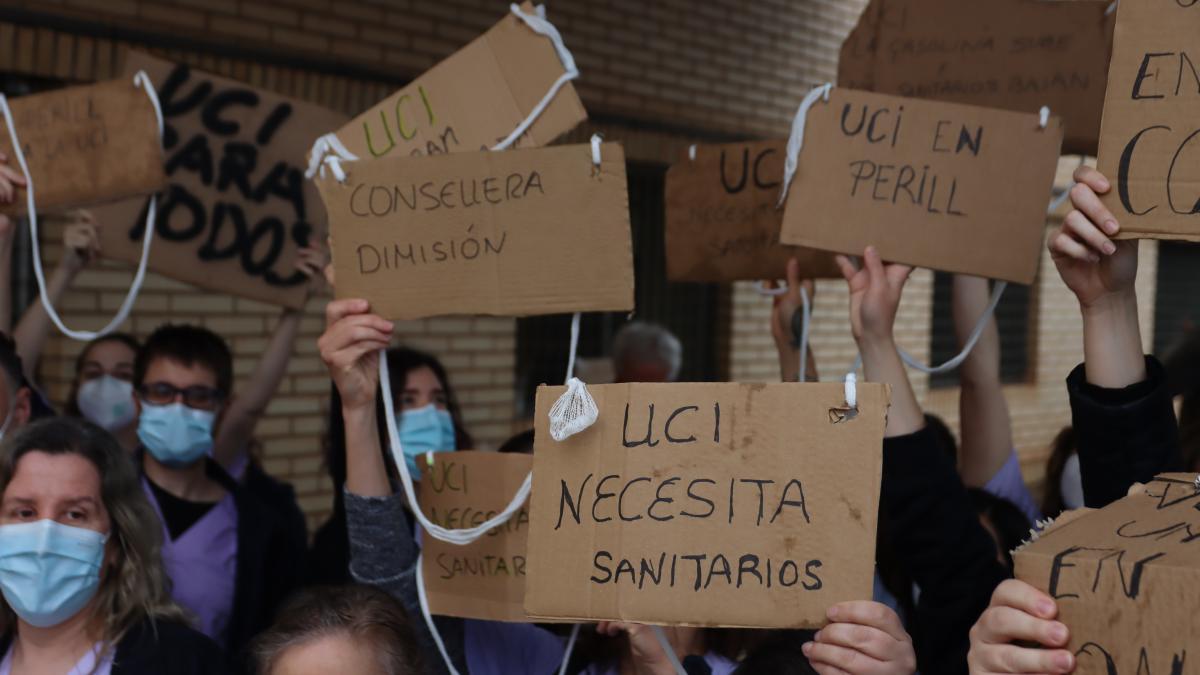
{"x":1125,"y":436}
{"x":940,"y":542}
{"x":167,"y":648}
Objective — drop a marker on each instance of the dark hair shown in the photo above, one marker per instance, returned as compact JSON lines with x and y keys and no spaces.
{"x":1061,"y":449}
{"x":1010,"y":524}
{"x":363,"y":613}
{"x":945,"y":437}
{"x":331,"y":543}
{"x":522,"y":444}
{"x":135,"y":586}
{"x":187,"y":345}
{"x":10,"y":363}
{"x":71,"y":408}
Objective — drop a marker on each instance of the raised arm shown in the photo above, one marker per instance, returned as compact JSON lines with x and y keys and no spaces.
{"x":987,"y":441}
{"x":81,"y":245}
{"x":1120,"y":407}
{"x":250,"y":404}
{"x":783,"y":310}
{"x":874,"y":300}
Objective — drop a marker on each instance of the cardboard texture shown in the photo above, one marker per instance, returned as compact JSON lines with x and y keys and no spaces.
{"x":85,"y":145}
{"x":472,"y":100}
{"x":1148,"y":145}
{"x":237,"y":208}
{"x":952,"y":187}
{"x":513,"y":233}
{"x":1126,"y":579}
{"x":749,"y":505}
{"x":484,"y":579}
{"x":1015,"y":55}
{"x":722,"y":221}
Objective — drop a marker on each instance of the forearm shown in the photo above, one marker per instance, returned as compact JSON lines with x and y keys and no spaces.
{"x":881,"y":363}
{"x":1112,"y":342}
{"x":366,"y":474}
{"x":252,"y":400}
{"x":31,"y":331}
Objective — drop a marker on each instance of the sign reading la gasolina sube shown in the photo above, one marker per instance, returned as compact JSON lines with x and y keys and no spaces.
{"x":708,"y":504}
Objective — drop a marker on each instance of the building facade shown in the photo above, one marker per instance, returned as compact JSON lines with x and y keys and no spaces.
{"x":656,"y":76}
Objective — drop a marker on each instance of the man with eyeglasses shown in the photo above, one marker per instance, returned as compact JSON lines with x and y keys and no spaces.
{"x":225,"y":551}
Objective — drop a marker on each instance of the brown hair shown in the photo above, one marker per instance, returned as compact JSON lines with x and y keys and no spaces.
{"x":1061,"y":450}
{"x":71,"y":407}
{"x":363,"y":613}
{"x":133,"y":586}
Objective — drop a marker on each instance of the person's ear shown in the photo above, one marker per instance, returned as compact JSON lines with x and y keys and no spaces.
{"x":23,"y":410}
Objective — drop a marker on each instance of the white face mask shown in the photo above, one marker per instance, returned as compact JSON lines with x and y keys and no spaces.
{"x":1071,"y":484}
{"x":107,"y":402}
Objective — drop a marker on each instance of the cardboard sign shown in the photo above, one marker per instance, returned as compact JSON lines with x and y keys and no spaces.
{"x":1015,"y":55}
{"x":1149,"y":146}
{"x":1126,"y":579}
{"x":484,"y":579}
{"x":723,"y":217}
{"x":749,"y":505}
{"x":951,"y":187}
{"x":237,"y":208}
{"x":472,"y":100}
{"x":511,"y":233}
{"x":85,"y":145}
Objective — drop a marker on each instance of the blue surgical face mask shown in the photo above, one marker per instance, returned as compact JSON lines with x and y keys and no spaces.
{"x":423,"y":430}
{"x":175,"y":434}
{"x":49,"y":571}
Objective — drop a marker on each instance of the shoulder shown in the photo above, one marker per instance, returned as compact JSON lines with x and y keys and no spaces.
{"x":167,"y":648}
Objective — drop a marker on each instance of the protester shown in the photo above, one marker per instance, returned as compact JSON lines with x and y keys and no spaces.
{"x":102,"y":391}
{"x":1122,"y":415}
{"x":18,"y":401}
{"x":646,"y":352}
{"x":231,"y":560}
{"x":784,"y":308}
{"x":84,"y":588}
{"x":1064,"y":487}
{"x":639,"y":651}
{"x":383,"y":552}
{"x":429,"y":419}
{"x":358,"y":630}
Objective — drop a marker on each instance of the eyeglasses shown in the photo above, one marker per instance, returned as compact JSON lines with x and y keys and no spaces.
{"x":198,"y":396}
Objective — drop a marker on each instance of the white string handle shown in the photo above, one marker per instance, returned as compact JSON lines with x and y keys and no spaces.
{"x":976,"y":333}
{"x":692,"y":152}
{"x":328,"y":151}
{"x":139,"y":80}
{"x":762,"y":289}
{"x":423,"y":601}
{"x":562,"y":670}
{"x":796,"y":140}
{"x":450,"y":536}
{"x":574,"y":345}
{"x":669,"y":650}
{"x":541,"y":26}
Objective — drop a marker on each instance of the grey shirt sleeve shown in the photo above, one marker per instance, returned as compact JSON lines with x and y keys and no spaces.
{"x":383,"y":554}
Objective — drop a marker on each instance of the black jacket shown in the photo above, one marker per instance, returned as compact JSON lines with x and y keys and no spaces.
{"x":938,"y":540}
{"x":162,"y":648}
{"x":1124,"y":436}
{"x":269,"y":564}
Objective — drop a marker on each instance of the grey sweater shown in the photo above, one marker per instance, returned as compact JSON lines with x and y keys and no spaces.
{"x":383,"y":554}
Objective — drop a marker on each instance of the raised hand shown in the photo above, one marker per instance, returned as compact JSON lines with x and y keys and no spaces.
{"x":875,"y":292}
{"x":81,"y":241}
{"x":311,"y":261}
{"x":350,"y":348}
{"x":10,"y":180}
{"x":1092,"y":265}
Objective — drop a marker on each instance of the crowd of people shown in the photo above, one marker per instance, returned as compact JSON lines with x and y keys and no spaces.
{"x":140,"y":533}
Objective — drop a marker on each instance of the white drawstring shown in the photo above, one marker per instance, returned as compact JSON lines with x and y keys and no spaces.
{"x":562,"y":670}
{"x":450,"y":536}
{"x":574,"y":345}
{"x":139,"y":80}
{"x":668,"y":649}
{"x":796,"y":140}
{"x":328,"y":150}
{"x":976,"y":333}
{"x":423,"y":601}
{"x":541,"y":26}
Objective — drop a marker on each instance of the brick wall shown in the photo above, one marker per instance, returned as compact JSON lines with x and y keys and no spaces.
{"x":656,"y":76}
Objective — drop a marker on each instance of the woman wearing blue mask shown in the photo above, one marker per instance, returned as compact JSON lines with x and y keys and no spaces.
{"x":429,"y":420}
{"x":84,"y":591}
